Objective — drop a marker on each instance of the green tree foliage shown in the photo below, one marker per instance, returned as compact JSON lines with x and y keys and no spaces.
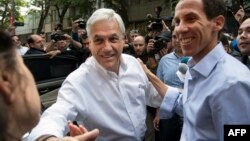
{"x":61,"y":6}
{"x":120,"y":6}
{"x":45,"y":7}
{"x":10,"y":7}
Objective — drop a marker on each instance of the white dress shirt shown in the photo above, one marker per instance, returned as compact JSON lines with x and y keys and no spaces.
{"x":22,"y":50}
{"x":115,"y":104}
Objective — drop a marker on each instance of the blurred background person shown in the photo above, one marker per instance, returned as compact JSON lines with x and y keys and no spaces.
{"x":129,"y":39}
{"x":18,"y":44}
{"x":243,"y":41}
{"x":139,"y":47}
{"x":170,"y":129}
{"x":226,"y":41}
{"x":132,"y":34}
{"x":234,"y":18}
{"x":158,"y":47}
{"x":36,"y":45}
{"x":78,"y":29}
{"x":85,"y":46}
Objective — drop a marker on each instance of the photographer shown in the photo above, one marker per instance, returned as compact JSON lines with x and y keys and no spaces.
{"x":63,"y":44}
{"x":158,"y":47}
{"x":79,"y":34}
{"x":170,"y":128}
{"x":78,"y":29}
{"x":84,"y":39}
{"x":58,"y":28}
{"x":157,"y":39}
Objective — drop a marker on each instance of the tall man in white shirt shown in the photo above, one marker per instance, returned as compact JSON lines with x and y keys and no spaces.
{"x":109,"y":91}
{"x":216,"y":87}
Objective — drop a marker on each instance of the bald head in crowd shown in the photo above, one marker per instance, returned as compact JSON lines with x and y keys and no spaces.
{"x":36,"y":41}
{"x":139,"y":45}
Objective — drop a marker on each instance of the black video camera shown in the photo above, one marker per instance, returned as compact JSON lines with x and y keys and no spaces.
{"x":155,"y":26}
{"x":160,"y":42}
{"x":158,"y":45}
{"x":81,"y":23}
{"x":156,"y":23}
{"x":18,"y":23}
{"x":57,"y":37}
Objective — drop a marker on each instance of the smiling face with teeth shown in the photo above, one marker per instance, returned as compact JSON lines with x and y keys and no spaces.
{"x":243,"y":38}
{"x":106,"y":44}
{"x":197,"y":34}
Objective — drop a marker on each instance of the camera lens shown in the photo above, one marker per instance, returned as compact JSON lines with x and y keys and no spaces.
{"x":81,"y":23}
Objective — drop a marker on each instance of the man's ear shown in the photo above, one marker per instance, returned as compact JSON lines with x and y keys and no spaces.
{"x":219,"y":22}
{"x":6,"y":87}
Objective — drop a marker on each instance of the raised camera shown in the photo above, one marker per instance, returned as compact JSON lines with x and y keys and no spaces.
{"x":81,"y":23}
{"x":160,"y":42}
{"x":57,"y":37}
{"x":155,"y":24}
{"x":18,"y":24}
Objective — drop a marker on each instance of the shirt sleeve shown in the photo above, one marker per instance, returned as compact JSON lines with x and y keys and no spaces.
{"x":171,"y":103}
{"x":231,"y":106}
{"x":54,"y":120}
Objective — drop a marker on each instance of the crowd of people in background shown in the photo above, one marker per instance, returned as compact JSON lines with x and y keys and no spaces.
{"x":121,"y":95}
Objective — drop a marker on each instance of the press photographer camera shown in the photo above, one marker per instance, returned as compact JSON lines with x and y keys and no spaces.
{"x":155,"y":24}
{"x":57,"y":37}
{"x":18,"y":24}
{"x":160,"y":42}
{"x":81,"y":23}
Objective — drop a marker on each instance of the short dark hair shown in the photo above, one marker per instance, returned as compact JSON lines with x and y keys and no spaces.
{"x":214,"y":8}
{"x":7,"y":52}
{"x":6,"y":42}
{"x":7,"y":62}
{"x":30,"y":39}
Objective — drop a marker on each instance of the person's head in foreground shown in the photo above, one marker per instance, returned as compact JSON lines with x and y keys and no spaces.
{"x":19,"y":100}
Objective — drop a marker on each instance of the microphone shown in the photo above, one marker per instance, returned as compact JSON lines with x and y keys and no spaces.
{"x":182,"y":69}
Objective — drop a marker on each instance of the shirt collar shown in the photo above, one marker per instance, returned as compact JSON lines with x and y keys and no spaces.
{"x":177,"y":56}
{"x":122,"y":67}
{"x":206,"y":64}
